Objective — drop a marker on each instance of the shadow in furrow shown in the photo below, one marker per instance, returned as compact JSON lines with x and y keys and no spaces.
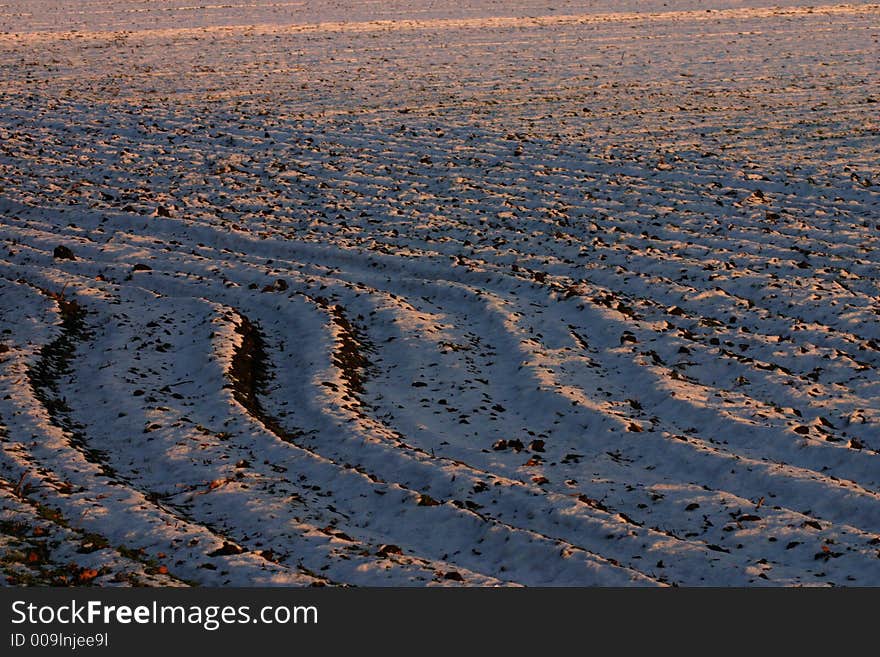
{"x":54,"y":362}
{"x":348,"y":355}
{"x":249,"y":374}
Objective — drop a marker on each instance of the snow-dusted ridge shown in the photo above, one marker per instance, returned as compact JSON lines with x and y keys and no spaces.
{"x":449,"y":298}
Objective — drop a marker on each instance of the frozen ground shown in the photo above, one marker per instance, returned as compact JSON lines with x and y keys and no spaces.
{"x":541,"y":293}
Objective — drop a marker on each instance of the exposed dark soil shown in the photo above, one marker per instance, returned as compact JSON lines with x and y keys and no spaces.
{"x":53,"y":363}
{"x":250,"y":377}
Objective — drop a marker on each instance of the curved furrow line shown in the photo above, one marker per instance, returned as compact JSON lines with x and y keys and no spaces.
{"x":650,"y":253}
{"x":458,"y":469}
{"x":855,"y":403}
{"x":217,"y":488}
{"x":248,"y":371}
{"x":348,"y":374}
{"x":39,"y":548}
{"x":734,"y":374}
{"x":415,"y":464}
{"x":787,"y":455}
{"x":38,"y":311}
{"x":98,"y":367}
{"x":90,"y":483}
{"x":619,"y":282}
{"x":599,"y":378}
{"x":467,"y":523}
{"x":337,"y":318}
{"x":759,"y":320}
{"x":629,"y":370}
{"x":797,"y":517}
{"x":865,"y":405}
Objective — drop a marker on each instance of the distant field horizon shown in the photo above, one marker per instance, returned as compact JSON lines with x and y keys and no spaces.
{"x":100,"y":15}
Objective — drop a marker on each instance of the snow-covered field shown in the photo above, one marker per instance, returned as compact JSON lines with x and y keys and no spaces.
{"x":457,"y":293}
